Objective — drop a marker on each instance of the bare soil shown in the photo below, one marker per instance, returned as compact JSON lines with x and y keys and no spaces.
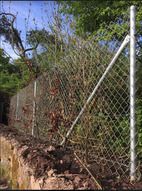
{"x":50,"y":161}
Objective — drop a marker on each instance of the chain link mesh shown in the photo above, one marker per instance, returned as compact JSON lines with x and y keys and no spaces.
{"x":101,"y":137}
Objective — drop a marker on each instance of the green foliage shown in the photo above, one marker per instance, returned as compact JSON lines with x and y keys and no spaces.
{"x":93,"y":17}
{"x":24,"y":73}
{"x":50,"y":48}
{"x":123,"y":130}
{"x":9,"y":83}
{"x":12,"y":75}
{"x":5,"y":66}
{"x":40,"y":36}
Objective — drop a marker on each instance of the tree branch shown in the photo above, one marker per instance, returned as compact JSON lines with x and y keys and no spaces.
{"x":15,"y":39}
{"x":32,"y":48}
{"x":9,"y":14}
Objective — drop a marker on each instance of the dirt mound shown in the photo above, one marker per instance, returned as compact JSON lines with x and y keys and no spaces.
{"x":56,"y":164}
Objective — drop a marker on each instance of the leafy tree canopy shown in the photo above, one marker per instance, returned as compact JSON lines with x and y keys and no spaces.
{"x":12,"y":75}
{"x":92,"y":17}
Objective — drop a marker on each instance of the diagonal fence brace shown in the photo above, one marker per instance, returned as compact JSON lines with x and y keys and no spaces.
{"x":124,"y":43}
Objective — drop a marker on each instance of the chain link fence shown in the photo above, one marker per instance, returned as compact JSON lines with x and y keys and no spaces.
{"x":21,"y":109}
{"x":101,"y":136}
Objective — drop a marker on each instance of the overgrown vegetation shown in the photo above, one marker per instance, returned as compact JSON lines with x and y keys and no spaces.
{"x":93,"y":17}
{"x":74,"y":64}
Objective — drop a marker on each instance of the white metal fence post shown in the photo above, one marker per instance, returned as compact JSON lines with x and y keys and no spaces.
{"x":132,"y":95}
{"x":34,"y":108}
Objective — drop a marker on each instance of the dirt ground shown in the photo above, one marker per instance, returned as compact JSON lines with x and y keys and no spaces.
{"x":49,"y":160}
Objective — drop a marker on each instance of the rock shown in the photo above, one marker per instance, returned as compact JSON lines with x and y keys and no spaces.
{"x":3,"y":187}
{"x":82,"y":188}
{"x":51,"y":173}
{"x":50,"y":148}
{"x":86,"y":184}
{"x":77,"y":180}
